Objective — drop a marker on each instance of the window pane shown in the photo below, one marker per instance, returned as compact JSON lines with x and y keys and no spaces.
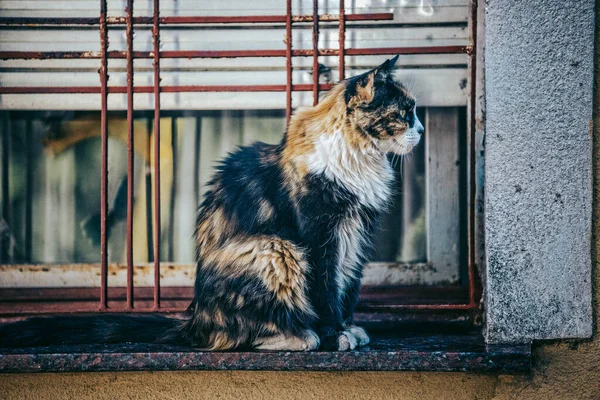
{"x":52,"y":158}
{"x":53,"y":168}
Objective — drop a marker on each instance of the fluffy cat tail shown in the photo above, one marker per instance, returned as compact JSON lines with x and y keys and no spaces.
{"x":106,"y":328}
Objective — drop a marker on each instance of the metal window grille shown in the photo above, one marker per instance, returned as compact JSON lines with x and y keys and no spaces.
{"x":149,"y":299}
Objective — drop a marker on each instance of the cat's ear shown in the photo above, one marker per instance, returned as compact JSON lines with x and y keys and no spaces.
{"x":387,"y":66}
{"x":361,"y":90}
{"x":385,"y":69}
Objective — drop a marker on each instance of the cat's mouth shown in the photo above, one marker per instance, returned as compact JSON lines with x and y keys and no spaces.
{"x":411,"y":138}
{"x":402,"y":144}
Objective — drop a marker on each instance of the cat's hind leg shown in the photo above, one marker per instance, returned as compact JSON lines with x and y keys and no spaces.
{"x":278,"y":264}
{"x":253,"y":287}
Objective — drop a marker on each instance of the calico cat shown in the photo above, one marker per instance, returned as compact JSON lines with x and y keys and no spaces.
{"x":282,"y":233}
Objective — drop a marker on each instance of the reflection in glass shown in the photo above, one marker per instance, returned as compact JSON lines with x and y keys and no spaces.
{"x":52,"y":162}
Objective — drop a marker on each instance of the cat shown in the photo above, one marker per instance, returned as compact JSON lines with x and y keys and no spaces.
{"x":282,"y":233}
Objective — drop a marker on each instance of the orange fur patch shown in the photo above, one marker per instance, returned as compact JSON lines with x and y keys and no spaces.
{"x":307,"y":124}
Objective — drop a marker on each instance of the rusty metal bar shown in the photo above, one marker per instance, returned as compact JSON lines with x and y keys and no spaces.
{"x":41,"y":55}
{"x":48,"y":55}
{"x":78,"y":307}
{"x":174,"y":186}
{"x":176,"y":20}
{"x":104,"y":157}
{"x":376,"y":51}
{"x":315,"y":43}
{"x":421,"y":306}
{"x":342,"y":40}
{"x":163,"y":89}
{"x":28,"y":309}
{"x":130,"y":138}
{"x":156,"y":65}
{"x":472,"y":154}
{"x":31,"y":300}
{"x":8,"y":295}
{"x":288,"y":60}
{"x":148,"y":194}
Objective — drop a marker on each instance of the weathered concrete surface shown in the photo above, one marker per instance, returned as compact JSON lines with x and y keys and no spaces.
{"x":538,"y":194}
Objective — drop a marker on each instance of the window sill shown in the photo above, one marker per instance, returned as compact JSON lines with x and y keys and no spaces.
{"x":408,"y":351}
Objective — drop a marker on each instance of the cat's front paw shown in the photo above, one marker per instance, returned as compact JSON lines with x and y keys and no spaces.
{"x":339,"y":341}
{"x":311,"y":339}
{"x":359,"y":334}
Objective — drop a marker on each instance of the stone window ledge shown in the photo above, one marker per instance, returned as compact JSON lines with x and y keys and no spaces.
{"x":410,"y":350}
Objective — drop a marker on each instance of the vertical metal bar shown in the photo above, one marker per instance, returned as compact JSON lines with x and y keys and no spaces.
{"x":342,"y":41}
{"x":28,"y":189}
{"x":315,"y":40}
{"x":472,"y":127}
{"x":104,"y":157}
{"x":130,"y":133}
{"x":156,"y":65}
{"x":148,"y":190}
{"x":175,"y":180}
{"x":288,"y":60}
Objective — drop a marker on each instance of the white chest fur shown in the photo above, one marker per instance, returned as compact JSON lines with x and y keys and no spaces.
{"x":365,"y":174}
{"x":351,"y":238}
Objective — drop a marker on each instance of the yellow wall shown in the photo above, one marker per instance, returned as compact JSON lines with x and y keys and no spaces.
{"x":562,"y":371}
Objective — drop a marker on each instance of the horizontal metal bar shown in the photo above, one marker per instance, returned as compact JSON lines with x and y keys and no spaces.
{"x":29,"y":295}
{"x":419,"y":307}
{"x":451,"y":294}
{"x":251,"y":19}
{"x":86,"y":308}
{"x":48,"y":55}
{"x":373,"y":51}
{"x":148,"y":307}
{"x":374,"y":298}
{"x":163,"y":89}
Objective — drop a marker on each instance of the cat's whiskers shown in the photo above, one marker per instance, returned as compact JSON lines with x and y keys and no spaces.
{"x":401,"y":160}
{"x":396,"y":151}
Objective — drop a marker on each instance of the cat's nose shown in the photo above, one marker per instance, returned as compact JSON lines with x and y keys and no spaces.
{"x":419,"y":126}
